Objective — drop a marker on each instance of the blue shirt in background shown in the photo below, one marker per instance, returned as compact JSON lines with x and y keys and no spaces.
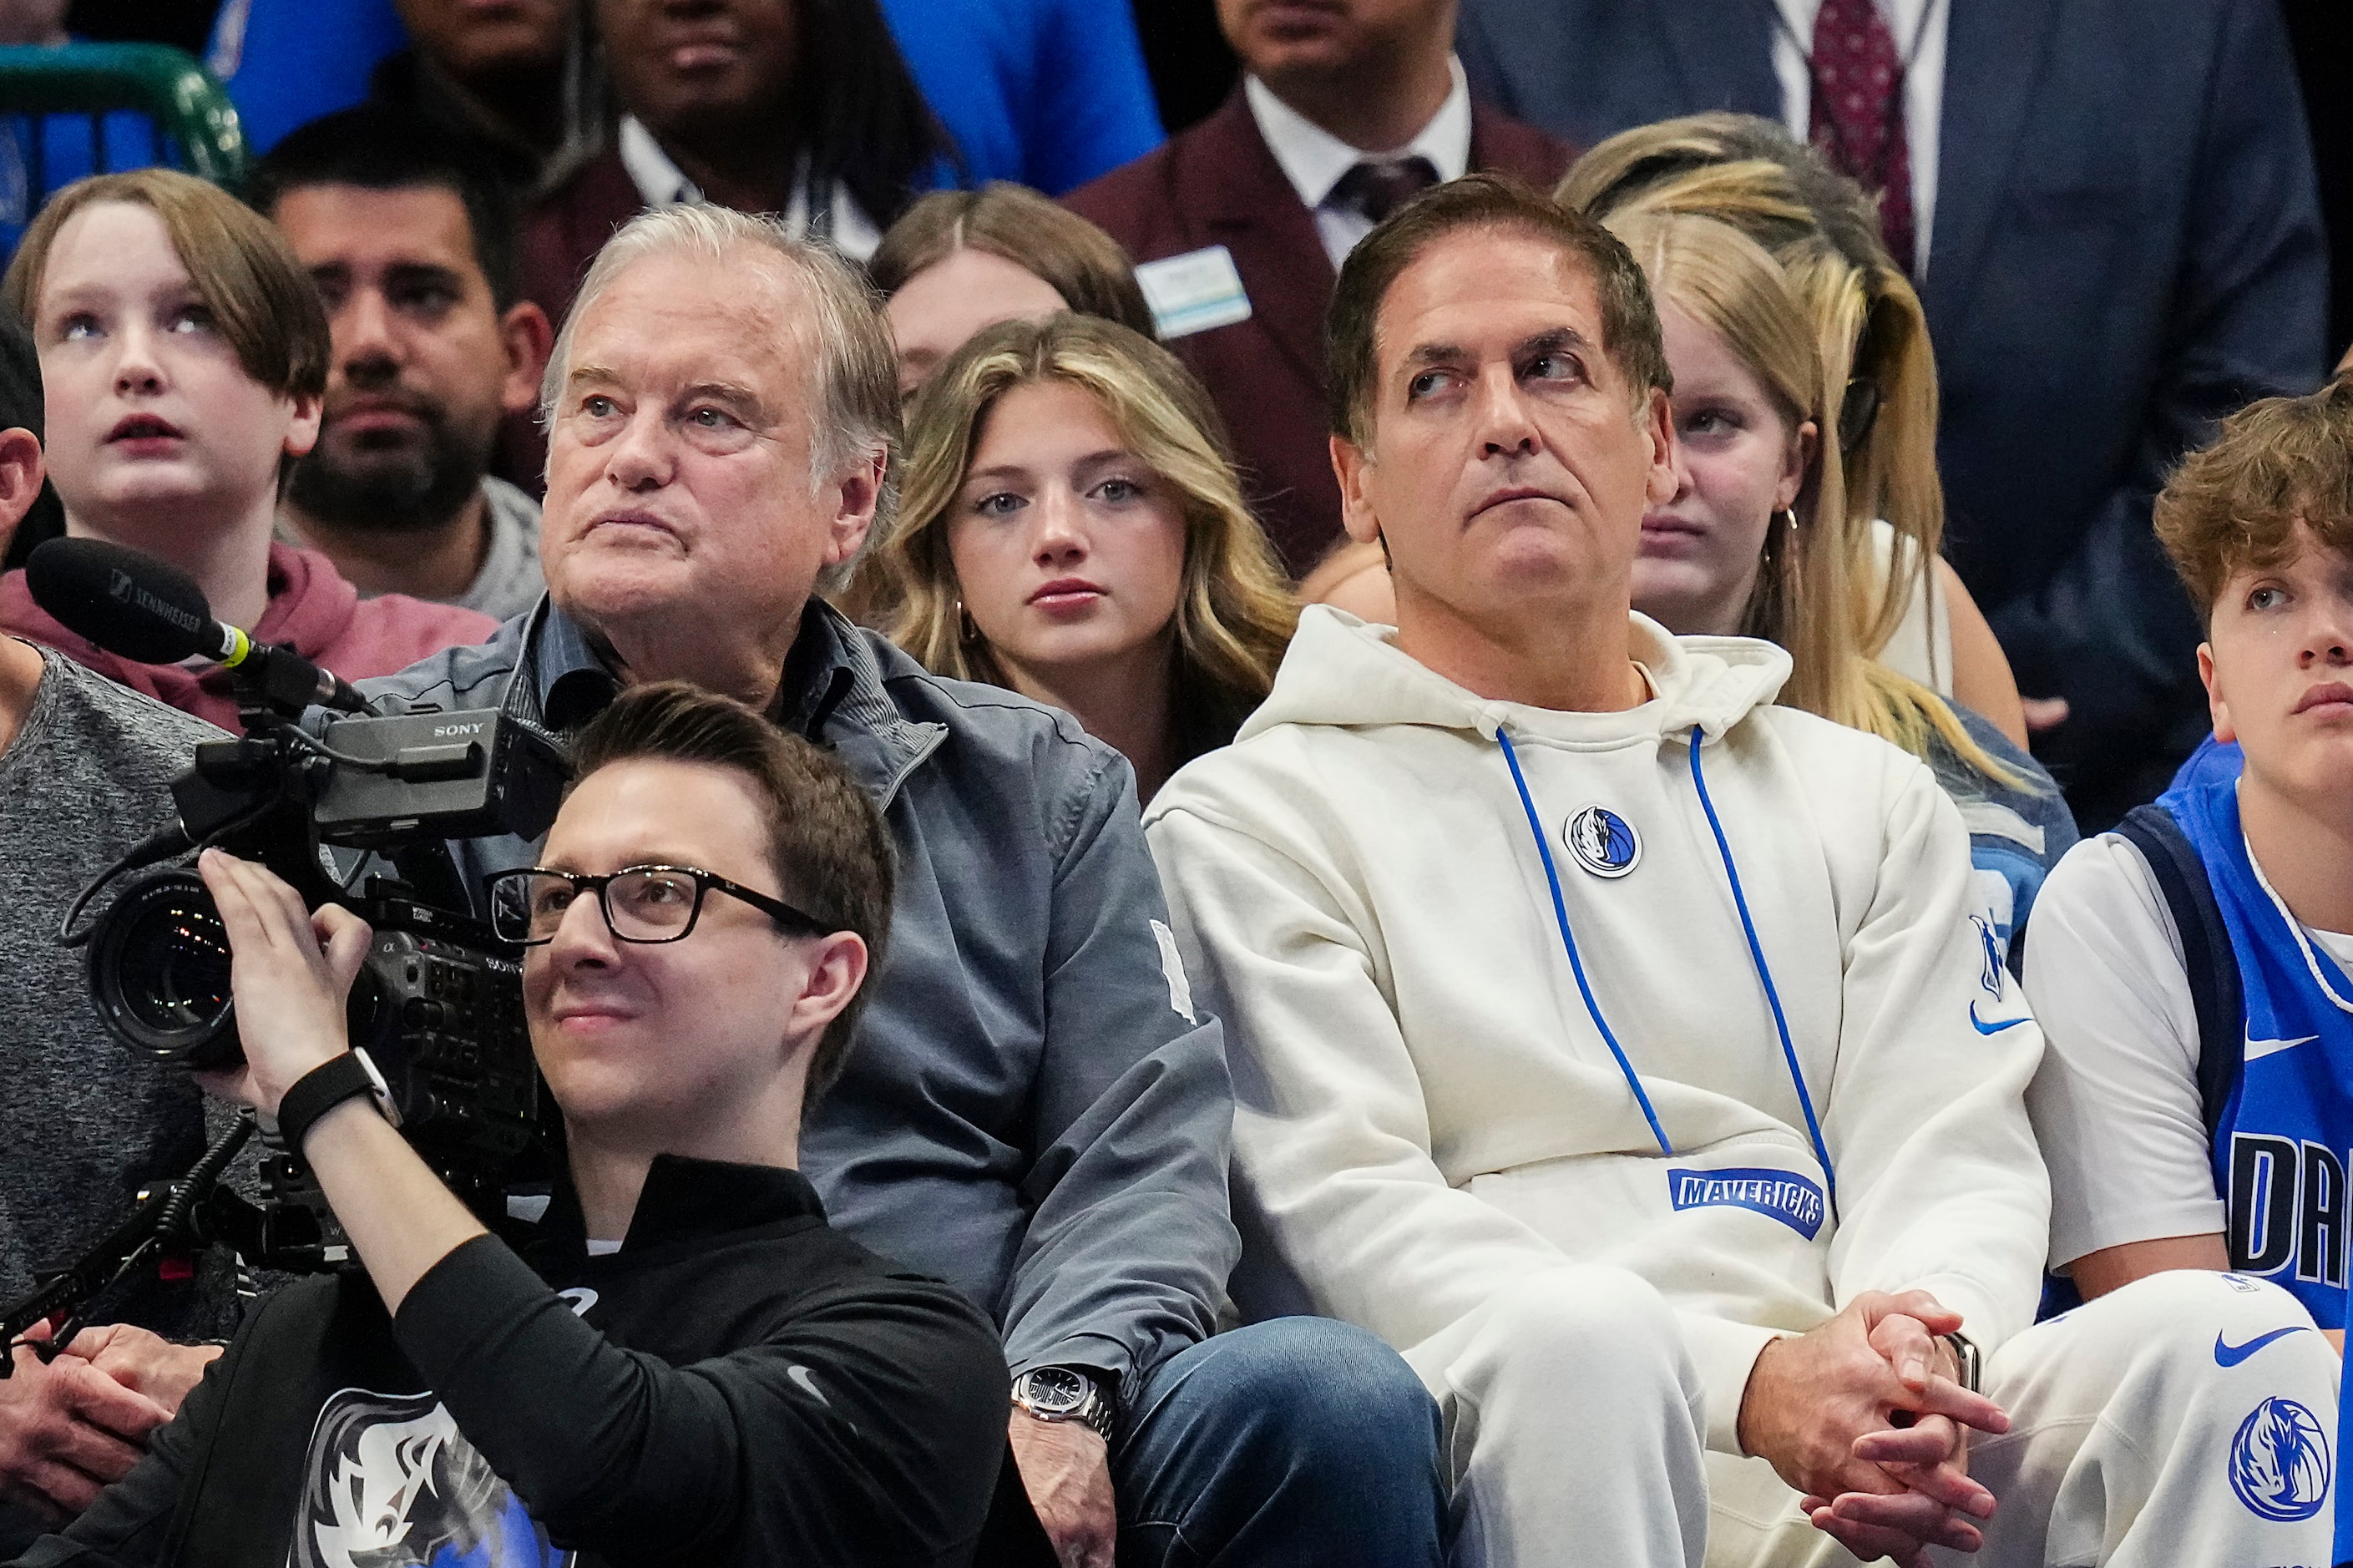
{"x":1047,"y":94}
{"x":40,"y":154}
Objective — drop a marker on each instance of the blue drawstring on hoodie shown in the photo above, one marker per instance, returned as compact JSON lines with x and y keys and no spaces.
{"x":1748,"y":927}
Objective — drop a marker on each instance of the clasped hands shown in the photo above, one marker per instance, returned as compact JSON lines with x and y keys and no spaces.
{"x":1865,"y":1418}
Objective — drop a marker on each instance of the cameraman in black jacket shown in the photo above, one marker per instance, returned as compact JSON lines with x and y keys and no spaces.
{"x":691,"y":1367}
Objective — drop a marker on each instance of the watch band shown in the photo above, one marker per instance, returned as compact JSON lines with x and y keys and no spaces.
{"x":323,"y":1089}
{"x":1099,"y":1411}
{"x":1968,"y":1363}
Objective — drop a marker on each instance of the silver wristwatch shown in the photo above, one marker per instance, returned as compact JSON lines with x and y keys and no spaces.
{"x":1067,"y":1393}
{"x":1969,"y":1364}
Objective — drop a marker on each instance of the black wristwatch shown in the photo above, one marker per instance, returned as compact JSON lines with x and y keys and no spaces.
{"x":1068,"y":1393}
{"x":324,"y":1087}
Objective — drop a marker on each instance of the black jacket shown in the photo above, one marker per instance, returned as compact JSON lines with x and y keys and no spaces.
{"x":738,"y":1385}
{"x":1035,"y":1111}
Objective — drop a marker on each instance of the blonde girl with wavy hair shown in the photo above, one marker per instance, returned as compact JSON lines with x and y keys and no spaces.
{"x":1911,"y":609}
{"x":1070,"y":528}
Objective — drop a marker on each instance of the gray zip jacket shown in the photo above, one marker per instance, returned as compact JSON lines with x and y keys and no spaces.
{"x":1033,"y":1110}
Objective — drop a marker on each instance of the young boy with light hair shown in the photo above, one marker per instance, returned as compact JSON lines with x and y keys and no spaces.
{"x":2190,"y":969}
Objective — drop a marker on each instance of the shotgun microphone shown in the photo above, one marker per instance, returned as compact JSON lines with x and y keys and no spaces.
{"x":149,"y":612}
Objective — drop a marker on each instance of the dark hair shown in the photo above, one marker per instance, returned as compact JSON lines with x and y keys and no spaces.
{"x":831,"y":853}
{"x":1630,"y":322}
{"x":2235,"y":504}
{"x":1079,"y":261}
{"x":378,"y":147}
{"x":21,"y":405}
{"x":863,"y":119}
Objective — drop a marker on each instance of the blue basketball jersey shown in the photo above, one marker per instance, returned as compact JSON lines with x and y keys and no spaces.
{"x":2284,"y":1141}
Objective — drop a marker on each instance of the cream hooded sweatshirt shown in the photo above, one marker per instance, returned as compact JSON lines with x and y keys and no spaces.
{"x":1427,"y":1109}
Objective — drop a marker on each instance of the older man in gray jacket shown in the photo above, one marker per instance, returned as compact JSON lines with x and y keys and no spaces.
{"x":1034,"y":1109}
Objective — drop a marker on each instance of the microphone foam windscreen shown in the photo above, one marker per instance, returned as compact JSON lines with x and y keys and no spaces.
{"x":131,"y":604}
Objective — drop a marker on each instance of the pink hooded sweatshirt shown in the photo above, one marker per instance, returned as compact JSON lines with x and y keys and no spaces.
{"x":310,"y":606}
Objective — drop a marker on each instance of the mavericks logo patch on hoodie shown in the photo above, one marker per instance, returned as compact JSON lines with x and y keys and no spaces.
{"x":1784,"y":1195}
{"x":1603,"y":842}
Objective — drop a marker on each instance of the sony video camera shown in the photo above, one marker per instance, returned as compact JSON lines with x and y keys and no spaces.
{"x":438,"y":1005}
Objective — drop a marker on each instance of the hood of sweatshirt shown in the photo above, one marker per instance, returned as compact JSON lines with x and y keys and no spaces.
{"x":1345,"y":671}
{"x":1691,"y":989}
{"x":310,"y":606}
{"x":311,"y":603}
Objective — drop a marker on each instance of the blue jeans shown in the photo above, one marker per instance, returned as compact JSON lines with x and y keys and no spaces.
{"x":1297,"y":1442}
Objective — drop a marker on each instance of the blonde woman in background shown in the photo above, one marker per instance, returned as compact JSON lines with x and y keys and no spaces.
{"x":1915,"y":616}
{"x":1071,"y":530}
{"x":959,"y":261}
{"x":1757,"y":541}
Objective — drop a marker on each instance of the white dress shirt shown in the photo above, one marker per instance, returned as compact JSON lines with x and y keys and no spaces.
{"x":1919,"y":26}
{"x":663,"y":184}
{"x":1314,"y":159}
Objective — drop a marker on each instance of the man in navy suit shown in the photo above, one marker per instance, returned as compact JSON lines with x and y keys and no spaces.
{"x":1345,"y":110}
{"x":2109,"y":206}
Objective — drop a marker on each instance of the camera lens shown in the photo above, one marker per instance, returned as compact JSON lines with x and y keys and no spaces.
{"x":159,"y":973}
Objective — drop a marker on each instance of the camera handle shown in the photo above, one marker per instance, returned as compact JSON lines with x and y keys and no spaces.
{"x":164,"y":1217}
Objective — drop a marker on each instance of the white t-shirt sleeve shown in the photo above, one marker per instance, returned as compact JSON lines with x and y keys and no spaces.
{"x":1920,"y":646}
{"x":2115,"y":1103}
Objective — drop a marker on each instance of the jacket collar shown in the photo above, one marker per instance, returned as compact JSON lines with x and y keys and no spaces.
{"x":687,"y":1201}
{"x":1315,"y":161}
{"x":1248,"y":204}
{"x":832,"y":689}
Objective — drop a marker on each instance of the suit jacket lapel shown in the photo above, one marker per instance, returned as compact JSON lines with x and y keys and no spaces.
{"x":1995,"y":56}
{"x":1248,"y":205}
{"x":1726,"y":62}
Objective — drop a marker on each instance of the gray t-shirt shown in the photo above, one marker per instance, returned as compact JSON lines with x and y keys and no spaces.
{"x":83,"y":1123}
{"x":510,"y":583}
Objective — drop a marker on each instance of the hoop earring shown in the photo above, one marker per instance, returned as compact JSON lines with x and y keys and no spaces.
{"x":1790,"y":518}
{"x":965,"y":630}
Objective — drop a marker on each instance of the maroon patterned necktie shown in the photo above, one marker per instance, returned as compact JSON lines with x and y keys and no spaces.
{"x":1858,"y":112}
{"x":1378,"y":186}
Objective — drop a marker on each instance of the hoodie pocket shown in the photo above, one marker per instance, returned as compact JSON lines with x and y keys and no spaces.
{"x":1739,"y":1229}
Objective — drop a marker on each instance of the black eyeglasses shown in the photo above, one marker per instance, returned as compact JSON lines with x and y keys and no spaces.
{"x":641,"y":903}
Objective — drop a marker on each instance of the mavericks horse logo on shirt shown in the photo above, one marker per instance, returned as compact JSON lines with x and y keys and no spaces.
{"x":2279,"y":1461}
{"x":390,"y":1482}
{"x":1603,"y":842}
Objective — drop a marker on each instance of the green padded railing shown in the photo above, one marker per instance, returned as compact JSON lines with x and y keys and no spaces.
{"x":187,"y":107}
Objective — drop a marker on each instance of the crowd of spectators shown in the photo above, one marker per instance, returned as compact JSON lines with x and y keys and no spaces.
{"x":1579,"y":791}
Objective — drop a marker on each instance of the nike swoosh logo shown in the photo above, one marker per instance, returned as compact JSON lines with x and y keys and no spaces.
{"x":2257,"y":1050}
{"x":2227,"y":1354}
{"x":1997,"y":1027}
{"x":808,"y":1384}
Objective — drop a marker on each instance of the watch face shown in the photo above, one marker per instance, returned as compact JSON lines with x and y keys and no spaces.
{"x":1054,"y":1389}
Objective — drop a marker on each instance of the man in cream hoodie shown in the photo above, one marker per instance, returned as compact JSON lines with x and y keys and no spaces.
{"x":1626,"y":1050}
